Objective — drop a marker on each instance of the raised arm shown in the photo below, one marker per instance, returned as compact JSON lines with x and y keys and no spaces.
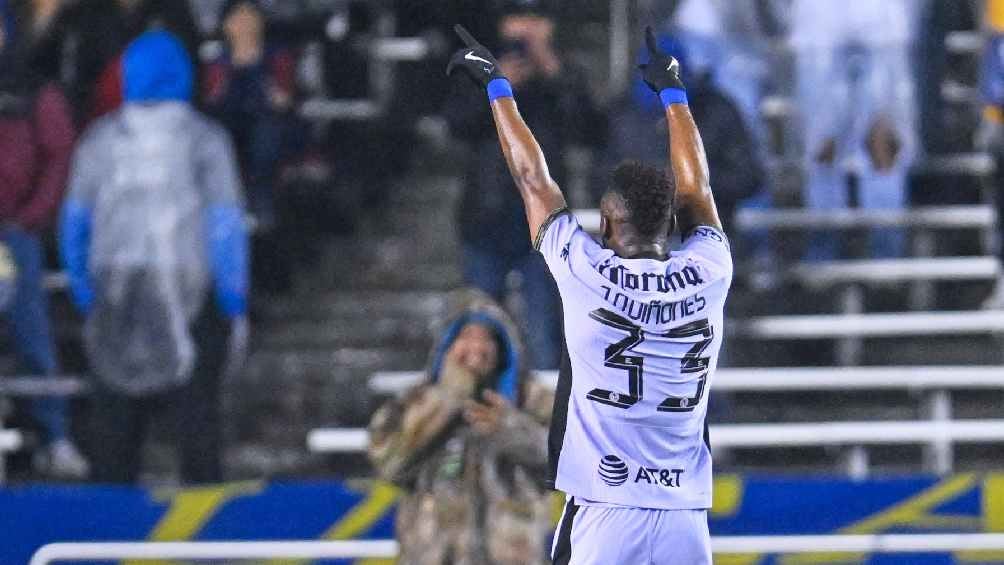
{"x":694,"y":204}
{"x":541,"y":195}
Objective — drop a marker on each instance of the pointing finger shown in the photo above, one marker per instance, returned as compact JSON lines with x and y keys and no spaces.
{"x":466,"y":36}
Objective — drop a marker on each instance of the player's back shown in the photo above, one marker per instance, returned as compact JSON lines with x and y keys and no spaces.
{"x":643,"y":337}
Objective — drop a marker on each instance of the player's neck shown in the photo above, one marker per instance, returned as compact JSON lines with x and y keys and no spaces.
{"x":641,"y":250}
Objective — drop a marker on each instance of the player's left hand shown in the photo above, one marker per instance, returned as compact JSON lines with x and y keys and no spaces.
{"x":475,"y":60}
{"x":662,"y":71}
{"x":487,"y":417}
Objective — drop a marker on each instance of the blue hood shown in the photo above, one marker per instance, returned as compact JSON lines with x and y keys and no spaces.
{"x":508,"y":380}
{"x":156,"y":68}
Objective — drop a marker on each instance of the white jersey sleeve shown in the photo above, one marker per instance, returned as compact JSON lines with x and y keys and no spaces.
{"x":709,"y":248}
{"x":566,"y":247}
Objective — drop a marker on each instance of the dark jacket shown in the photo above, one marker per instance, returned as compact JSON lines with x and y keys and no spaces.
{"x":559,"y":112}
{"x":36,"y":140}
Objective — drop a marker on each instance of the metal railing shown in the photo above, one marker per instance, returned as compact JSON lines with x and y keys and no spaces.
{"x":889,"y":271}
{"x":852,"y":325}
{"x":978,"y":216}
{"x":898,"y":324}
{"x":388,"y":549}
{"x":215,"y":550}
{"x":10,"y":440}
{"x":960,"y":216}
{"x":62,"y":385}
{"x":349,"y":440}
{"x":31,"y":386}
{"x":938,"y":433}
{"x":790,"y":379}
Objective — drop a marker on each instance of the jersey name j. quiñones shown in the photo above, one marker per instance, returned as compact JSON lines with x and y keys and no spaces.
{"x":642,"y":337}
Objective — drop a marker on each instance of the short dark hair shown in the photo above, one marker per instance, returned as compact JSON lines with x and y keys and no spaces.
{"x":648,"y":196}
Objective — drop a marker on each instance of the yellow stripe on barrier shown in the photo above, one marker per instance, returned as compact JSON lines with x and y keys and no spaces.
{"x":993,"y":519}
{"x":190,"y":510}
{"x":371,"y":509}
{"x":738,"y":559}
{"x":995,"y":15}
{"x":727,"y":496}
{"x":911,"y":512}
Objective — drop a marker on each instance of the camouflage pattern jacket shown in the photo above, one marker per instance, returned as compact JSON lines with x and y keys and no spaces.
{"x":469,"y":499}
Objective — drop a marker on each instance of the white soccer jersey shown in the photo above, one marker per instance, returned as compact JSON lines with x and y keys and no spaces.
{"x":642,"y":337}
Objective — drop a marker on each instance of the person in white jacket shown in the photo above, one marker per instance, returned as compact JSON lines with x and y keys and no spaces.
{"x":856,"y":104}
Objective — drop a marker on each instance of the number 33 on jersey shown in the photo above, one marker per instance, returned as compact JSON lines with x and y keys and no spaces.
{"x":643,"y":337}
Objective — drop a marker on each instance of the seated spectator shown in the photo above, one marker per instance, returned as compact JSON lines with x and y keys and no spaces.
{"x":41,"y":31}
{"x":250,"y":88}
{"x":152,"y":226}
{"x":73,"y":41}
{"x":36,"y":140}
{"x":126,"y":20}
{"x":855,"y":96}
{"x":469,"y":446}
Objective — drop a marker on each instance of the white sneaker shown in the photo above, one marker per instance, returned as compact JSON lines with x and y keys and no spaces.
{"x":61,"y":459}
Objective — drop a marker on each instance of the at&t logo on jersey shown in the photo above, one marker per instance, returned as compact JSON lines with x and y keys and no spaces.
{"x":613,"y":470}
{"x":662,"y":477}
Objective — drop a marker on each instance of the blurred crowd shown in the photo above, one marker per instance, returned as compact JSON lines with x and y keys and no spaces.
{"x":176,"y":159}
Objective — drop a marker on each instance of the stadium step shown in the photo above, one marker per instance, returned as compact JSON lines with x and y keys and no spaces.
{"x":325,"y":335}
{"x":371,"y":302}
{"x":357,"y":303}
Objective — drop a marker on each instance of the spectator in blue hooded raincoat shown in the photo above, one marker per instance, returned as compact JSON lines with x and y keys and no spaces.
{"x":151,"y":231}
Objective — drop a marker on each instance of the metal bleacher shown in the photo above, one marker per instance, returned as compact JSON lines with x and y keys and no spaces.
{"x":12,"y":440}
{"x":850,"y":329}
{"x":897,"y":271}
{"x":938,"y":431}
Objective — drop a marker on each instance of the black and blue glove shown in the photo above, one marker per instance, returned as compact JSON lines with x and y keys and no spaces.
{"x":662,"y":73}
{"x":478,"y":63}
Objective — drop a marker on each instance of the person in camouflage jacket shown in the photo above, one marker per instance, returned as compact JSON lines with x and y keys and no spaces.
{"x":469,"y":448}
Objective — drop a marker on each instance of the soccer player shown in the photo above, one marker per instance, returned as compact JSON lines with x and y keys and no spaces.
{"x":643,"y":327}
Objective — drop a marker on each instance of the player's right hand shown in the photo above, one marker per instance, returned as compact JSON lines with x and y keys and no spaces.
{"x":662,"y":71}
{"x":476,"y":61}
